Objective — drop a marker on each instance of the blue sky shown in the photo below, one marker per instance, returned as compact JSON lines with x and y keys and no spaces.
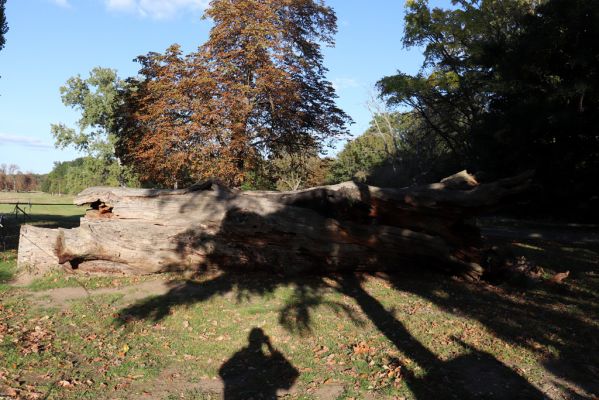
{"x":52,"y":40}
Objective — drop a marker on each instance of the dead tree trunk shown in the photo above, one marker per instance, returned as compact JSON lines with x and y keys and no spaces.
{"x":331,"y":228}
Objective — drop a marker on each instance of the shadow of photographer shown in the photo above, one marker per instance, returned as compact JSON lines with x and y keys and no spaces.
{"x":257,"y":371}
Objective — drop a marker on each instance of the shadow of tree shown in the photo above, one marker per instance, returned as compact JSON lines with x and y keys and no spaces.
{"x":528,"y":320}
{"x":295,"y":315}
{"x":239,"y":258}
{"x":476,"y":375}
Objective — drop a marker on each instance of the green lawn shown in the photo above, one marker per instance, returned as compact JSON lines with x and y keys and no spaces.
{"x":55,"y":211}
{"x":64,"y":202}
{"x":415,"y":335}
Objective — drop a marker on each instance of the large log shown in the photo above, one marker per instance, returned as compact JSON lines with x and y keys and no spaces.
{"x":348,"y":226}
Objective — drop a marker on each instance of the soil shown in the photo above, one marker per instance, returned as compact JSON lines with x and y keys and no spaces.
{"x":62,"y":297}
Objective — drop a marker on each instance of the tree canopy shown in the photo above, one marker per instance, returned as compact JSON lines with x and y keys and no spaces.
{"x":3,"y":23}
{"x":394,"y":151}
{"x":97,"y":98}
{"x":256,"y":89}
{"x":74,"y":176}
{"x":508,"y":85}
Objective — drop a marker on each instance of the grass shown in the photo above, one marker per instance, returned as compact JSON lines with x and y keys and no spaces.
{"x":7,"y":268}
{"x":414,"y":335}
{"x":58,"y":279}
{"x":55,"y":206}
{"x":56,"y":211}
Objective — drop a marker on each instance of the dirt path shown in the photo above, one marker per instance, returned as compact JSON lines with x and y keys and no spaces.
{"x":62,"y":297}
{"x":171,"y":382}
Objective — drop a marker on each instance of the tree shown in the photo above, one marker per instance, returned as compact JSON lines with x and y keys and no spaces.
{"x":12,"y":171}
{"x":3,"y":23}
{"x":298,"y":171}
{"x":171,"y":127}
{"x":74,"y":176}
{"x":508,"y":85}
{"x":97,"y":98}
{"x":346,"y":227}
{"x":11,"y":178}
{"x":28,"y":181}
{"x":394,"y":151}
{"x":3,"y":177}
{"x":544,"y":112}
{"x":358,"y":158}
{"x":452,"y":91}
{"x":256,"y":89}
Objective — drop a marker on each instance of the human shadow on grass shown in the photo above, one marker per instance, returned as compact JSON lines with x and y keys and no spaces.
{"x":476,"y":375}
{"x":257,"y":371}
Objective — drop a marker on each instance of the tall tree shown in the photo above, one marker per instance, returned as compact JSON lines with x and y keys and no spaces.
{"x":97,"y":99}
{"x":508,"y":85}
{"x":452,"y":91}
{"x":255,"y":89}
{"x":171,"y":126}
{"x":12,"y":171}
{"x":545,"y":111}
{"x":3,"y":23}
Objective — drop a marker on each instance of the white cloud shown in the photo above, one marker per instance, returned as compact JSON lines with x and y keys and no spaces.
{"x":121,"y":5}
{"x":61,"y":3}
{"x":156,"y":9}
{"x":25,"y":141}
{"x":344,"y":83}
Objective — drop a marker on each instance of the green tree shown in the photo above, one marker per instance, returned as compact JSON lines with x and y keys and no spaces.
{"x":543,"y":113}
{"x":97,"y":99}
{"x":55,"y":181}
{"x":3,"y":23}
{"x":394,"y":151}
{"x":71,"y":177}
{"x":451,"y":93}
{"x":359,"y":158}
{"x":508,"y":85}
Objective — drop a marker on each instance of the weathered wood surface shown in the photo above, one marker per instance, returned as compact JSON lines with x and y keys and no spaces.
{"x":331,"y":228}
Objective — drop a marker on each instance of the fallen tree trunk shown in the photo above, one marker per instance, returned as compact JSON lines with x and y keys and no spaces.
{"x":347,"y":226}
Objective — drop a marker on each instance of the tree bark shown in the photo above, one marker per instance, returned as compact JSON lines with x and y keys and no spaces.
{"x":347,"y":226}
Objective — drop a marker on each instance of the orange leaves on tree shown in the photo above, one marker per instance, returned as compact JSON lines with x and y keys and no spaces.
{"x":255,"y":89}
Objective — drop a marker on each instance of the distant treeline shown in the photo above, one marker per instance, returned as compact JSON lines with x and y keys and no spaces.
{"x":14,"y":180}
{"x":71,"y":177}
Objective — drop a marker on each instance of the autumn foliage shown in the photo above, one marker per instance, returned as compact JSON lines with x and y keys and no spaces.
{"x":256,"y":89}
